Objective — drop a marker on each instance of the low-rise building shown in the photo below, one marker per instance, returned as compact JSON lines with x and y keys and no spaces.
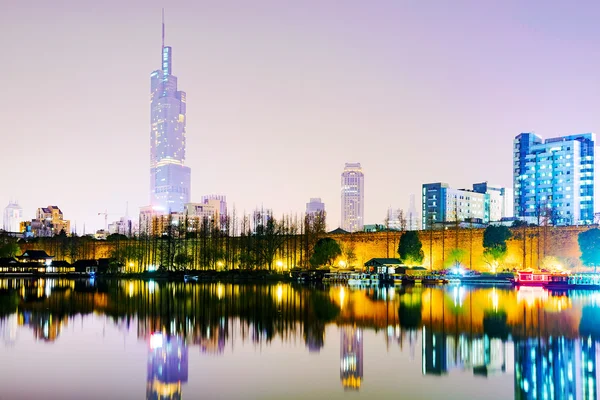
{"x":485,"y":203}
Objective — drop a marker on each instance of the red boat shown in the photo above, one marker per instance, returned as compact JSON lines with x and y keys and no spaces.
{"x":531,"y":278}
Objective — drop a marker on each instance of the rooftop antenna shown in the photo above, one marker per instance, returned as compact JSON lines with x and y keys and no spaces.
{"x":163,"y":28}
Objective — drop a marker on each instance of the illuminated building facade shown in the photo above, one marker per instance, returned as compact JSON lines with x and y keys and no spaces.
{"x":49,"y":221}
{"x":169,"y":177}
{"x":554,"y":178}
{"x":353,"y":198}
{"x":167,"y":367}
{"x":351,"y":357}
{"x":484,"y":203}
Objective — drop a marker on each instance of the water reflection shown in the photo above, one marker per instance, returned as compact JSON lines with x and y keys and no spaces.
{"x":351,"y":357}
{"x":547,"y":344}
{"x":167,"y":367}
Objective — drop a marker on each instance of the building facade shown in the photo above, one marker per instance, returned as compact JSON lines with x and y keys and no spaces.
{"x":554,"y":179}
{"x":482,"y":204}
{"x":13,"y":216}
{"x":315,"y":206}
{"x":169,"y":177}
{"x":353,"y":198}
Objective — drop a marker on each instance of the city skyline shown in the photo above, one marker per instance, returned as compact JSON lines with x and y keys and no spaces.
{"x":267,"y":85}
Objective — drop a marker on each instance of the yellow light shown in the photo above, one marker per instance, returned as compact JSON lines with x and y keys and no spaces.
{"x":220,"y":290}
{"x":130,"y":289}
{"x":342,"y":296}
{"x":279,"y":293}
{"x":342,"y":264}
{"x":279,"y":264}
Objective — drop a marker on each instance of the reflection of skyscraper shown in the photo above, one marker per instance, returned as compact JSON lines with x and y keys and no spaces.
{"x":167,"y":367}
{"x":8,"y":329}
{"x":546,"y":369}
{"x":434,"y":353}
{"x":351,"y":357}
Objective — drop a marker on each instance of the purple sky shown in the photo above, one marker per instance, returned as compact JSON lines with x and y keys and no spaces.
{"x":282,"y":94}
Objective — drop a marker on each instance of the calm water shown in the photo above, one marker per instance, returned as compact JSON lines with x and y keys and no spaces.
{"x":65,"y":339}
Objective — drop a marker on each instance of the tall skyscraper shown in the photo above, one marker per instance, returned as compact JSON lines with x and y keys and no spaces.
{"x":554,"y":179}
{"x":314,"y":206}
{"x":169,"y":177}
{"x":353,"y":198}
{"x":13,"y":216}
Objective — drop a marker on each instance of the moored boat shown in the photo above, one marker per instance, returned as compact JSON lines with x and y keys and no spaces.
{"x":531,"y":278}
{"x":574,"y":281}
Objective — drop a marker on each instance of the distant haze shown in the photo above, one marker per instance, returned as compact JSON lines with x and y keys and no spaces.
{"x":280,"y":94}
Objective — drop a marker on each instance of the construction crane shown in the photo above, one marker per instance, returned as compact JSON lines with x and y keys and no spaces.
{"x":105,"y":213}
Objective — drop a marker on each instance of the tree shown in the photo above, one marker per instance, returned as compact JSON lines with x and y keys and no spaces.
{"x":326,"y":251}
{"x":589,"y":245}
{"x":8,"y":246}
{"x":456,"y":256}
{"x":410,"y":248}
{"x":494,"y":244}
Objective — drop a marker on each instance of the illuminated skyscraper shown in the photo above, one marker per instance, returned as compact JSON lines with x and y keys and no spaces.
{"x":353,"y":198}
{"x":13,"y":216}
{"x":169,"y":177}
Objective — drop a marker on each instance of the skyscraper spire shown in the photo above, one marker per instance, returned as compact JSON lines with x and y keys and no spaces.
{"x":163,"y":28}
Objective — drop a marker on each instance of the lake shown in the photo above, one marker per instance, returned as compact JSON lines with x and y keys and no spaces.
{"x":121,"y":339}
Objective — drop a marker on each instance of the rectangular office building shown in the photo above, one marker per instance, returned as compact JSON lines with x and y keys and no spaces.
{"x":483,"y":204}
{"x":554,"y":179}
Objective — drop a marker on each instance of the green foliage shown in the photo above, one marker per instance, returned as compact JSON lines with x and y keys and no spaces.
{"x":410,"y":248}
{"x":494,"y":241}
{"x":456,"y":256}
{"x":182,"y":261}
{"x":326,"y":251}
{"x":589,"y":245}
{"x":8,"y":246}
{"x":115,"y":237}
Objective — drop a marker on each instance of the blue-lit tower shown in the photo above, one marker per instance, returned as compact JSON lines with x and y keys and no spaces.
{"x":169,"y":177}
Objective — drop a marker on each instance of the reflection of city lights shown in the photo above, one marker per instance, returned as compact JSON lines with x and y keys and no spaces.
{"x":279,"y":293}
{"x":220,"y":291}
{"x":151,"y":286}
{"x":156,"y":340}
{"x":530,"y":295}
{"x":130,"y":289}
{"x":494,"y":296}
{"x":459,"y":294}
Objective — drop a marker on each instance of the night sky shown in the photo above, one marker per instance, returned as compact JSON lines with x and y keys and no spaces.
{"x":280,"y":94}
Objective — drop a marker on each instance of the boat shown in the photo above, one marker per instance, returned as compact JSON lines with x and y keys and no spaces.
{"x":190,"y":278}
{"x":434,"y":280}
{"x":574,"y":281}
{"x":531,"y":278}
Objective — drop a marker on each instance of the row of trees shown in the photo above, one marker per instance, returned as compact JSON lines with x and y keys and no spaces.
{"x":177,"y":242}
{"x":410,"y":248}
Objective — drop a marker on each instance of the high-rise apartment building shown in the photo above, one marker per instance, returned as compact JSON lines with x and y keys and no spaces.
{"x":483,"y":203}
{"x":554,"y":179}
{"x":13,"y":216}
{"x":353,"y":198}
{"x":169,"y":177}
